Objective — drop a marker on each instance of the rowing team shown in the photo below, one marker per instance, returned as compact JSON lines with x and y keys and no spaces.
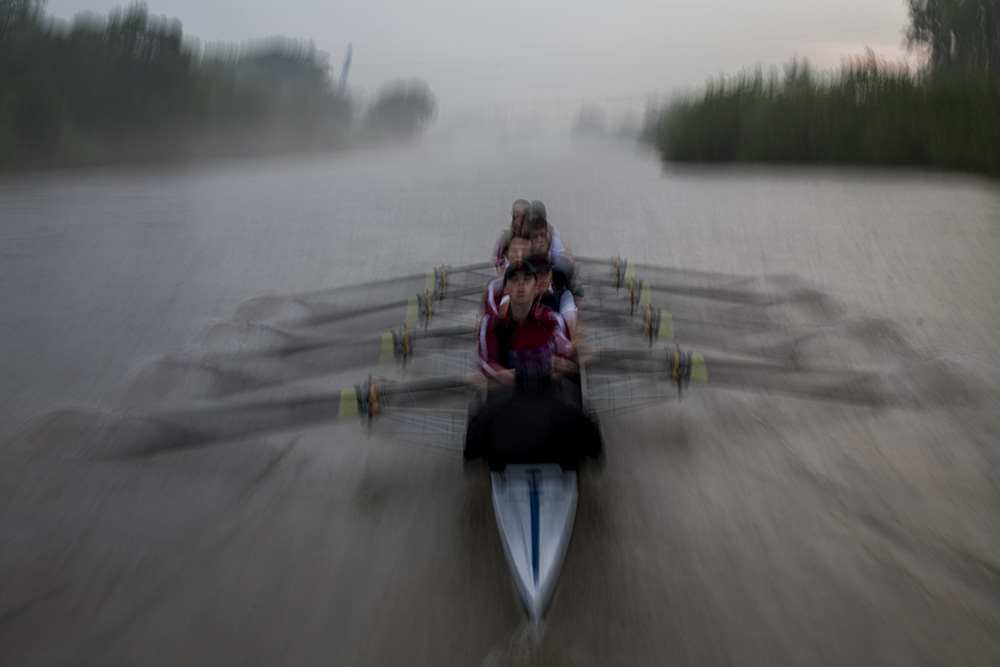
{"x":525,"y":340}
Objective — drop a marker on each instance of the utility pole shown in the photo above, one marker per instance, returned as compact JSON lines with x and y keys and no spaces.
{"x":344,"y":71}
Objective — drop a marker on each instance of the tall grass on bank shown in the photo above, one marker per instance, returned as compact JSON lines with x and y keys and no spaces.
{"x":870,"y":113}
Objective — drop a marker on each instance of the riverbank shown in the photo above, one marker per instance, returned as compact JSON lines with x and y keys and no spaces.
{"x":866,"y":115}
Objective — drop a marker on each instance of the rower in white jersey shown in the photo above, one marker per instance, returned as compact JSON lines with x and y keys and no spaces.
{"x":537,"y":220}
{"x":557,"y":298}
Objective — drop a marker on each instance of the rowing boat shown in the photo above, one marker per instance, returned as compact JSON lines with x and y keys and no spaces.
{"x":535,"y":506}
{"x":272,"y":376}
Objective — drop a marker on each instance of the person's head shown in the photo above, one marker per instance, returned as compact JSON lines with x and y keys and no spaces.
{"x":520,"y":283}
{"x":519,"y":213}
{"x":517,"y":250}
{"x":538,"y":234}
{"x":563,"y":276}
{"x":543,"y":270}
{"x":536,"y":209}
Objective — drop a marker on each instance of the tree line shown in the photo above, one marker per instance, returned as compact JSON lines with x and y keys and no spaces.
{"x":125,"y":87}
{"x":872,"y":111}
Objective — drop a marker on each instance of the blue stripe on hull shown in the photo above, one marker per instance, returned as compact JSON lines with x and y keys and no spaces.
{"x":534,"y":529}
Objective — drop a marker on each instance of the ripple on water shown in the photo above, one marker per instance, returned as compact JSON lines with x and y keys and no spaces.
{"x":93,"y":434}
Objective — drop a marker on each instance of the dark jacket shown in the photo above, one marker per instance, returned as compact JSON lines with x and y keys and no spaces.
{"x":532,"y":426}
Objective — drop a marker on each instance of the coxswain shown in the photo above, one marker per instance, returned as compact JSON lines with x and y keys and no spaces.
{"x":501,"y":249}
{"x":525,"y":318}
{"x":534,"y":424}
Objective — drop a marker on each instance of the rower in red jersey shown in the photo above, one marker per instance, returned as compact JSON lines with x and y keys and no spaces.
{"x":525,"y":320}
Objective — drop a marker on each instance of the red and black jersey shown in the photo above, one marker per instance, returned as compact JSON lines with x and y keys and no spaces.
{"x":499,"y":336}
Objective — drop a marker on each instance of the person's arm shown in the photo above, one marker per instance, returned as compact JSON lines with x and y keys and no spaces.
{"x":558,"y":334}
{"x":487,"y":352}
{"x":556,"y":247}
{"x":494,"y":297}
{"x":569,"y":312}
{"x":500,"y":250}
{"x":564,"y":353}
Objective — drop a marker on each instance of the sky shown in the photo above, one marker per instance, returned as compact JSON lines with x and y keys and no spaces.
{"x":549,"y":56}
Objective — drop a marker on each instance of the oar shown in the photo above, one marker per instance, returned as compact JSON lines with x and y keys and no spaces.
{"x":379,"y":348}
{"x":437,"y":282}
{"x":433,"y":274}
{"x":666,"y":324}
{"x":215,"y":422}
{"x":705,"y":297}
{"x":737,"y":294}
{"x":851,"y":386}
{"x":304,"y":356}
{"x":773,"y":339}
{"x":610,"y":263}
{"x":619,"y":271}
{"x":240,"y":372}
{"x":416,"y":308}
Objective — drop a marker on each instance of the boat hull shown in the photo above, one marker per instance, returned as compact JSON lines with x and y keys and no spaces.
{"x":535,"y":507}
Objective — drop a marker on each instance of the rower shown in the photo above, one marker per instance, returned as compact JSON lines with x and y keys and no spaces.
{"x":524,"y":318}
{"x":501,"y":250}
{"x":536,"y":216}
{"x":496,"y":300}
{"x":563,"y":270}
{"x":538,"y":232}
{"x":558,"y":298}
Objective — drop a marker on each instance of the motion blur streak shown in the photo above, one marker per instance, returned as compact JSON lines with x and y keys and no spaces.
{"x":731,"y":528}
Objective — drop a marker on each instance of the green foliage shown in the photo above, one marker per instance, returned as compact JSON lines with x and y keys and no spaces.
{"x":871,"y":113}
{"x":401,"y":109}
{"x":959,"y":35}
{"x":124,"y":87}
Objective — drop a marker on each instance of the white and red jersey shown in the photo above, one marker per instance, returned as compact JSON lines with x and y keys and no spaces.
{"x":561,"y":301}
{"x":494,"y":296}
{"x":498,"y":335}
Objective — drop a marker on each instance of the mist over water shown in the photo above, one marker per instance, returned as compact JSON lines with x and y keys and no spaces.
{"x":732,"y":528}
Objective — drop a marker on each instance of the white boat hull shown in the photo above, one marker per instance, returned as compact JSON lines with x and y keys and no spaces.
{"x":535,"y":507}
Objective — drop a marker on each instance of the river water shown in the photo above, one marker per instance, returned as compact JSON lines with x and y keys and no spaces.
{"x":733,"y":528}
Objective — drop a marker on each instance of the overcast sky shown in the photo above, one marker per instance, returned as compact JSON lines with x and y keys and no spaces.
{"x":547,"y":53}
